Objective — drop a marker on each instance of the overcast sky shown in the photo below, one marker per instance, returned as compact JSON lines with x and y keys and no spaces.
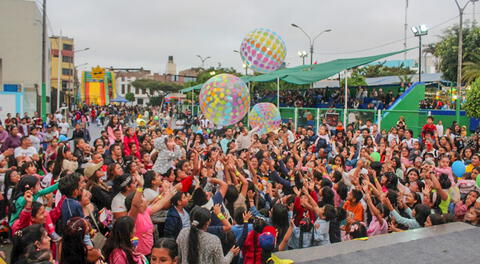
{"x":143,"y":33}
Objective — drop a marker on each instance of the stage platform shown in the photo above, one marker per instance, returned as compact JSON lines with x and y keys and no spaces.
{"x":449,"y":243}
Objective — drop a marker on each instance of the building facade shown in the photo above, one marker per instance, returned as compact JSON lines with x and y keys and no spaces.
{"x":125,"y":78}
{"x":21,"y":53}
{"x":66,"y":69}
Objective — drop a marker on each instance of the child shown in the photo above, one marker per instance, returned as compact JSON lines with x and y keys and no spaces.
{"x":429,"y":128}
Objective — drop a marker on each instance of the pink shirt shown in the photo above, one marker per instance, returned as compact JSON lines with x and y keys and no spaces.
{"x":144,"y":231}
{"x":377,"y":228}
{"x":118,"y":256}
{"x":447,"y":171}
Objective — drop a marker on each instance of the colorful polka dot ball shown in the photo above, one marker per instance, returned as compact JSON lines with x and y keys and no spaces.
{"x":224,"y":99}
{"x":265,"y":117}
{"x":263,"y":50}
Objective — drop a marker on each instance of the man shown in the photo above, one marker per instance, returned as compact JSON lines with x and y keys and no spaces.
{"x":64,"y":127}
{"x":86,"y":133}
{"x":177,"y":217}
{"x":115,"y":155}
{"x":25,"y":150}
{"x":78,"y":132}
{"x":244,"y":140}
{"x":224,"y":142}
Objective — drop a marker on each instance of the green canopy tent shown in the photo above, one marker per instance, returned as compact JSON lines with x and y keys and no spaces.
{"x":306,"y":74}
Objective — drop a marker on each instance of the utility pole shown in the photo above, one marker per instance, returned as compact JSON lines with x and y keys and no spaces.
{"x":405,"y":31}
{"x":44,"y":66}
{"x":59,"y":70}
{"x":460,"y":57}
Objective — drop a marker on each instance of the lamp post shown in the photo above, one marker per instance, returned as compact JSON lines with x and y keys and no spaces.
{"x":203,"y":59}
{"x":311,"y":41}
{"x":245,"y":66}
{"x":420,"y":31}
{"x":460,"y":55}
{"x":302,"y":54}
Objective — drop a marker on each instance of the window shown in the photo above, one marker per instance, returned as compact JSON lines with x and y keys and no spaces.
{"x":128,"y":88}
{"x":67,"y":47}
{"x":123,"y":88}
{"x":144,"y":91}
{"x":136,"y":90}
{"x":64,"y":85}
{"x":67,"y":59}
{"x":140,"y":101}
{"x":67,"y":71}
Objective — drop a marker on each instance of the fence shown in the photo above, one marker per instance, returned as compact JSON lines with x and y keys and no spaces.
{"x":415,"y":119}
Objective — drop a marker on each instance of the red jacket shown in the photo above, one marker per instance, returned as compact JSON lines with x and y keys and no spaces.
{"x":252,"y":252}
{"x":428,"y":128}
{"x":300,"y":211}
{"x":126,"y":145}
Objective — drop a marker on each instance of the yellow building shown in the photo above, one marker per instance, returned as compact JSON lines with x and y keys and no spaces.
{"x":67,"y":71}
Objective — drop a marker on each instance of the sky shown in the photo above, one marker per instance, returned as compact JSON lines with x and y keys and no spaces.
{"x":143,"y":33}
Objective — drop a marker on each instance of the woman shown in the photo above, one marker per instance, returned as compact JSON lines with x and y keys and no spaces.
{"x":118,"y":248}
{"x":73,"y":248}
{"x":168,"y":151}
{"x":34,"y":235}
{"x":197,"y":246}
{"x":114,"y":170}
{"x":101,"y":194}
{"x":130,"y":137}
{"x":113,"y":125}
{"x":165,"y":251}
{"x":65,"y":161}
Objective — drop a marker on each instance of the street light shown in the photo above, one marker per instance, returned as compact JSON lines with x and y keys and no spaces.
{"x":460,"y":54}
{"x":420,"y":31}
{"x":203,"y":59}
{"x":245,"y":66}
{"x":80,"y":50}
{"x":312,"y":41}
{"x":302,"y":54}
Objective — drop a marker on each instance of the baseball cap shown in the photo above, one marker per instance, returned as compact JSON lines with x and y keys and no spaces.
{"x":267,"y":238}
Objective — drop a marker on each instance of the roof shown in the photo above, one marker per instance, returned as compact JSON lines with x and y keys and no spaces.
{"x":386,"y":80}
{"x":395,"y":63}
{"x":306,"y":74}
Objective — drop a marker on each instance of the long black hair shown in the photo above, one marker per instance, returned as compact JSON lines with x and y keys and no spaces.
{"x":169,"y":244}
{"x":421,"y":213}
{"x":23,"y":238}
{"x":120,"y":238}
{"x":73,"y":235}
{"x":280,"y":220}
{"x":8,"y":185}
{"x":57,"y":167}
{"x":200,"y":218}
{"x":26,"y":183}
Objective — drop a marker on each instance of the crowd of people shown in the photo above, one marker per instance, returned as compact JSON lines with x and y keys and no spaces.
{"x":160,"y":186}
{"x":362,"y":98}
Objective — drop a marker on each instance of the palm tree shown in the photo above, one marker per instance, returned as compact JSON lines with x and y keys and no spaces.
{"x":471,"y":69}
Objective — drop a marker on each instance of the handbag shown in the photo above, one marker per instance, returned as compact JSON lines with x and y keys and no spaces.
{"x":99,"y":239}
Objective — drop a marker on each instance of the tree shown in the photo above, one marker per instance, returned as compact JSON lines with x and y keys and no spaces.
{"x":152,"y":87}
{"x":472,"y":105}
{"x":447,"y":49}
{"x":130,"y":97}
{"x":379,"y":70}
{"x":471,"y":69}
{"x":355,"y":79}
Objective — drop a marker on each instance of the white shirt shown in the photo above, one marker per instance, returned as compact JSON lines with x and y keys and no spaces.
{"x":58,"y":116}
{"x":149,"y":194}
{"x":35,"y":142}
{"x":64,"y":128}
{"x":28,"y":152}
{"x":118,"y":203}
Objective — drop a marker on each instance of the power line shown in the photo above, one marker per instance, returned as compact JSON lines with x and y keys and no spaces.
{"x":385,"y":44}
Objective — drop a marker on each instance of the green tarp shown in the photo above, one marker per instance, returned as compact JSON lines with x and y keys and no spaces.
{"x":306,"y":74}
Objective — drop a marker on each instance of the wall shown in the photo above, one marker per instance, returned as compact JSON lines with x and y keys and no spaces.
{"x":10,"y":102}
{"x":21,"y":46}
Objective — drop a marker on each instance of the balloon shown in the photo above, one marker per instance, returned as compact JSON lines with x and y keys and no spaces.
{"x":375,"y":156}
{"x":224,"y":99}
{"x":458,"y":168}
{"x":478,"y":181}
{"x":266,"y":117}
{"x":62,"y":138}
{"x":155,"y":118}
{"x":263,"y":50}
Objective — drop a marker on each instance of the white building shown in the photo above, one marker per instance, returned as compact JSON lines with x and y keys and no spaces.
{"x":124,"y":80}
{"x":21,"y":52}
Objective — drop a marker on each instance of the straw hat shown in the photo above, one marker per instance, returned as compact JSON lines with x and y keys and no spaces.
{"x":90,"y":170}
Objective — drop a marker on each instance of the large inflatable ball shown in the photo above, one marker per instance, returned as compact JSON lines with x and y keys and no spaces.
{"x":263,"y":50}
{"x":265,"y":117}
{"x":224,"y":99}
